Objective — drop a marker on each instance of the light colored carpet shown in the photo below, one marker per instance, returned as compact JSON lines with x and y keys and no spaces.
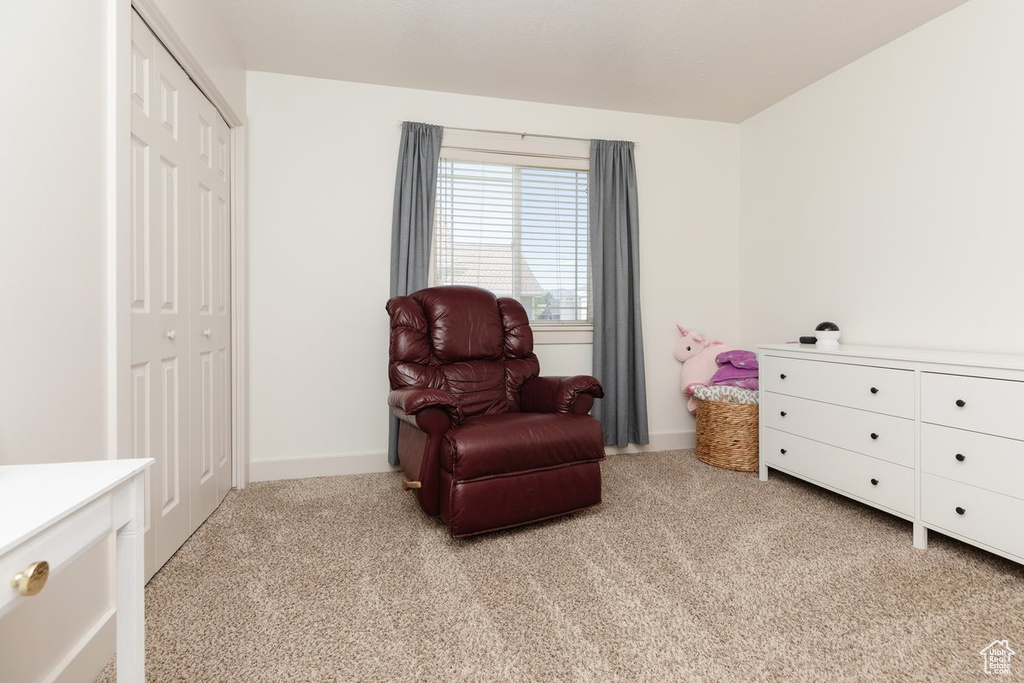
{"x":684,"y":573}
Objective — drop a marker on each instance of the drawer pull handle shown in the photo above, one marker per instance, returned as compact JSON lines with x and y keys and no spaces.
{"x":782,"y":413}
{"x":961,"y":457}
{"x":874,"y":482}
{"x":782,"y":450}
{"x":874,"y":390}
{"x":874,"y":437}
{"x":782,"y":376}
{"x":960,"y":511}
{"x":960,"y":403}
{"x":32,"y":580}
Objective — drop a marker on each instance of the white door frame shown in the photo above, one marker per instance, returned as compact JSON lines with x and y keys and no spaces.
{"x":119,"y":54}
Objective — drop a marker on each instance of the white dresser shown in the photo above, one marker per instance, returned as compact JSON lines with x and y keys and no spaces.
{"x":934,"y":437}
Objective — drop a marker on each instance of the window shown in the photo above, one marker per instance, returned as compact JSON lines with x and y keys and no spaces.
{"x":517,"y":225}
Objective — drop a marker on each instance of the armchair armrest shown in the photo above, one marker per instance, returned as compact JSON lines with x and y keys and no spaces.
{"x":574,"y":394}
{"x":410,"y":403}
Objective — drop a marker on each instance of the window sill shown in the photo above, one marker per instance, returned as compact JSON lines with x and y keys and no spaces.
{"x":562,"y":334}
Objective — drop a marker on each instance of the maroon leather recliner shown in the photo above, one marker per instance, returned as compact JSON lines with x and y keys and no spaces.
{"x":484,"y":442}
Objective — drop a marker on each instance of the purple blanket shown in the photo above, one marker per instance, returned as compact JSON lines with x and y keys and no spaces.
{"x":737,"y":369}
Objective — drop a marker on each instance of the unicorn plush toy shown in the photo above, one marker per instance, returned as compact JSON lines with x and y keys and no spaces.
{"x":697,"y":353}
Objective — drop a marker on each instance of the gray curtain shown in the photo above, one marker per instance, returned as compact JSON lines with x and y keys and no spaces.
{"x":413,"y":221}
{"x":615,"y":266}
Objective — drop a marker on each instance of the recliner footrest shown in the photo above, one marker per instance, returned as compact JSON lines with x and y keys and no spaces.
{"x":488,"y":504}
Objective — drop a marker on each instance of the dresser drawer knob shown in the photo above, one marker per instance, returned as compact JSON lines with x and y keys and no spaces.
{"x":32,"y":580}
{"x":782,"y":376}
{"x":874,"y":482}
{"x":874,"y":437}
{"x":782,"y":450}
{"x":961,"y":511}
{"x":960,"y":403}
{"x":874,"y":390}
{"x":961,"y":457}
{"x":782,"y":413}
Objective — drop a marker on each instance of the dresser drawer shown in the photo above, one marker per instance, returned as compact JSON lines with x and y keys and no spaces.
{"x":882,"y":390}
{"x":980,"y":404}
{"x":988,"y":462}
{"x":881,"y":436}
{"x":875,"y":481}
{"x":983,"y":516}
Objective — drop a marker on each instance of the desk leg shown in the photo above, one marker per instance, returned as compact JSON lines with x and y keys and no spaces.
{"x":131,"y":574}
{"x":920,"y":536}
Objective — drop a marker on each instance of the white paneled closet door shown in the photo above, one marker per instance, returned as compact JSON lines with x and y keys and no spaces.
{"x":180,"y":316}
{"x":210,"y":324}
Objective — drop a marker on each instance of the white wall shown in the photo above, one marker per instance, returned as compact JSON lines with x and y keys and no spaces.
{"x":54,"y":137}
{"x":197,"y":24}
{"x":888,"y":196}
{"x":52,"y":245}
{"x":322,"y":161}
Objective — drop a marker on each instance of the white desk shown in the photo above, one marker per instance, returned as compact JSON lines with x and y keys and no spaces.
{"x":54,"y":513}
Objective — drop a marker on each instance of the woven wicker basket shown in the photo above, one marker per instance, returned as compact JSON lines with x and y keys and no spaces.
{"x":727,"y":435}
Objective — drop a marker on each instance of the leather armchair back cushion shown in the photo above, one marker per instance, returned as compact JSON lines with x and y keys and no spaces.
{"x":518,"y":334}
{"x":517,"y":371}
{"x":462,"y":340}
{"x":464,"y":323}
{"x":479,"y":386}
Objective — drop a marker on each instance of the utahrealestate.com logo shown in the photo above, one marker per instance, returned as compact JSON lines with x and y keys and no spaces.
{"x":997,"y":657}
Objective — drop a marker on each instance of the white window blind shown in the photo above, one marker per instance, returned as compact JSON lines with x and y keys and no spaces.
{"x":517,"y":229}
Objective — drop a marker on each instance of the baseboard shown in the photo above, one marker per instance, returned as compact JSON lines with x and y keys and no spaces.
{"x":306,"y":466}
{"x":665,"y":441}
{"x":303,"y":467}
{"x":88,"y":657}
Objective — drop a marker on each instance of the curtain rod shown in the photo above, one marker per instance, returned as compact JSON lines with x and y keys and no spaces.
{"x":521,"y":135}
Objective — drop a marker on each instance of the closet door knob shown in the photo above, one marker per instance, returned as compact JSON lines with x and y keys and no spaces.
{"x":782,"y":450}
{"x":960,"y":511}
{"x":874,"y":437}
{"x":874,"y":482}
{"x":874,"y":390}
{"x":961,"y":457}
{"x":960,"y":403}
{"x":207,"y":333}
{"x":782,"y":376}
{"x":782,"y":413}
{"x":171,"y":334}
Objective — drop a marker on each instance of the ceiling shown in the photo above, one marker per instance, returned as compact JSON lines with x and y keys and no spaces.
{"x":722,"y":60}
